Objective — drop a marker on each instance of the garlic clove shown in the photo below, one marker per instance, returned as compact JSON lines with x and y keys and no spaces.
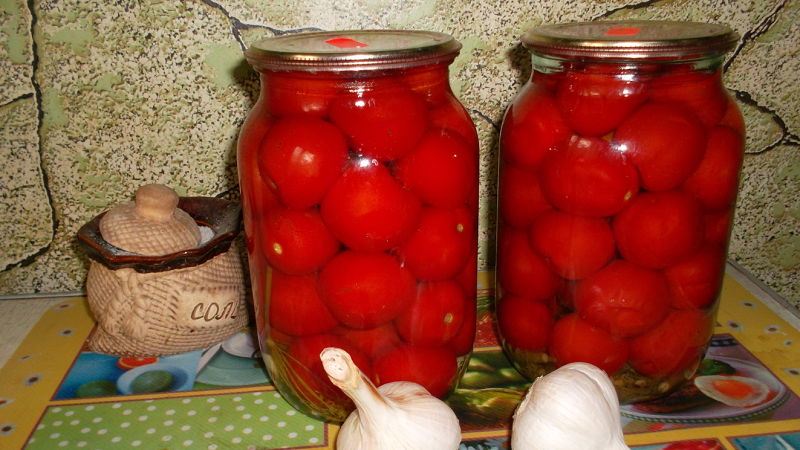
{"x":574,"y":407}
{"x":396,"y":416}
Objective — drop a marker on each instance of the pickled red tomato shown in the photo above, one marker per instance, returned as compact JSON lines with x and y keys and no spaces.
{"x":675,"y":344}
{"x":297,"y":242}
{"x":464,"y":340}
{"x":435,"y":316}
{"x":595,"y":104}
{"x":295,"y":307}
{"x":451,"y":115}
{"x":373,"y":341}
{"x":695,"y":282}
{"x":532,"y":127}
{"x":703,"y":93}
{"x":573,"y":246}
{"x":576,"y":340}
{"x":659,"y":229}
{"x":665,"y":141}
{"x":441,"y":169}
{"x":433,"y":368}
{"x":717,"y":227}
{"x":432,"y":84}
{"x":368,"y":210}
{"x":305,"y":370}
{"x":307,"y":94}
{"x":441,"y":246}
{"x":733,"y":117}
{"x":383,"y":123}
{"x":257,"y":198}
{"x":525,"y":324}
{"x":588,"y":178}
{"x":520,"y":197}
{"x":715,"y":182}
{"x":365,"y":290}
{"x":623,"y":298}
{"x":301,"y":157}
{"x":522,"y":271}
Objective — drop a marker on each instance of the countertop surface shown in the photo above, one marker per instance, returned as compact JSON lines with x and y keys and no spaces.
{"x":222,"y":398}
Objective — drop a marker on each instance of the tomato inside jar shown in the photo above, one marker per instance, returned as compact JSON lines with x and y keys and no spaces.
{"x":358,"y":170}
{"x":619,"y":170}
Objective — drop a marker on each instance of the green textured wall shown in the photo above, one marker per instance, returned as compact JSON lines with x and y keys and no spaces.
{"x":98,"y":98}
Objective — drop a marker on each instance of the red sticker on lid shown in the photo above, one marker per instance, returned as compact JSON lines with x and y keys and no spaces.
{"x":344,"y":42}
{"x":622,"y":31}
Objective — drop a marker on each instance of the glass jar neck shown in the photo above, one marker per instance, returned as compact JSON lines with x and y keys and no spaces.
{"x":549,"y":64}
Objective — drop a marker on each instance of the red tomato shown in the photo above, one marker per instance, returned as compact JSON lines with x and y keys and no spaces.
{"x":300,"y":158}
{"x":299,"y":93}
{"x":295,"y":307}
{"x":623,"y":298}
{"x":703,"y":93}
{"x":588,"y":178}
{"x":547,"y":81}
{"x":442,"y":169}
{"x":522,"y":272}
{"x":695,"y":282}
{"x":708,"y":444}
{"x":468,"y":277}
{"x":675,"y":344}
{"x":307,"y":375}
{"x":374,"y":340}
{"x":433,"y":368}
{"x":574,"y":246}
{"x":718,"y":227}
{"x":520,"y":197}
{"x":532,"y":127}
{"x":384,"y":123}
{"x":435,"y":315}
{"x":464,"y":340}
{"x":715,"y":182}
{"x":257,"y":198}
{"x":659,"y":229}
{"x":432,"y":83}
{"x":733,"y":117}
{"x":576,"y":340}
{"x":594,"y":104}
{"x":297,"y":242}
{"x":665,"y":141}
{"x":451,"y":115}
{"x":365,"y":290}
{"x":368,"y":210}
{"x":441,"y":246}
{"x":524,"y":324}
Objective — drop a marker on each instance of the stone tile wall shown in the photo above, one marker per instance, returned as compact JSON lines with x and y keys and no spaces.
{"x":98,"y":98}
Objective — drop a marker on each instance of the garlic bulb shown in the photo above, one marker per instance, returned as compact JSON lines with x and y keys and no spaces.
{"x":396,"y":416}
{"x":574,"y":407}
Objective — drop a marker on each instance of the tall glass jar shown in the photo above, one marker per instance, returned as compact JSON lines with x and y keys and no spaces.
{"x":619,"y":171}
{"x":359,"y":180}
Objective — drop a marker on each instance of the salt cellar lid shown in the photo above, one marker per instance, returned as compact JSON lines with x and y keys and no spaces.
{"x":152,"y":225}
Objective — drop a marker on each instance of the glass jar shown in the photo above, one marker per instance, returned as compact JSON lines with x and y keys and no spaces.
{"x":619,"y":171}
{"x":359,"y":180}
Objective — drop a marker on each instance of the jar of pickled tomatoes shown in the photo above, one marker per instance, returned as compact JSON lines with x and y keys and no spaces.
{"x":619,"y":170}
{"x":359,"y":180}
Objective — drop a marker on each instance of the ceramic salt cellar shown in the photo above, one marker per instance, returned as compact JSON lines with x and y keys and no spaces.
{"x":164,"y":278}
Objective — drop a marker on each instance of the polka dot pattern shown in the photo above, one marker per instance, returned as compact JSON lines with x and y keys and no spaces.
{"x":219,"y":421}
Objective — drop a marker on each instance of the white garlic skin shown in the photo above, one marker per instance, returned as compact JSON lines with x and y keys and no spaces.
{"x":396,"y":416}
{"x":574,"y":407}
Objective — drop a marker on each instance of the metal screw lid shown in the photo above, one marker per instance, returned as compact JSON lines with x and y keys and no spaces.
{"x":354,"y":50}
{"x":631,"y":40}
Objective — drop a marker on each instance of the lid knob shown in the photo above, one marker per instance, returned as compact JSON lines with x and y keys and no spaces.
{"x":156,"y":202}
